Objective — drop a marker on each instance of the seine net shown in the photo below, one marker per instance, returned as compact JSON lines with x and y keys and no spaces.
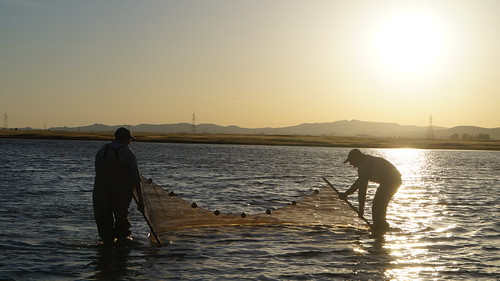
{"x":166,"y":211}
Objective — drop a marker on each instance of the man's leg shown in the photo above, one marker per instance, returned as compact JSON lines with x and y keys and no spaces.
{"x":379,"y":208}
{"x":103,"y":213}
{"x":121,"y":203}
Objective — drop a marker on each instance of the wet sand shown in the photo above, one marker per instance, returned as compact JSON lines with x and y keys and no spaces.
{"x":289,"y":140}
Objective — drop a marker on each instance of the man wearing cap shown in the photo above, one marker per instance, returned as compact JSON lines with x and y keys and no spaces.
{"x":378,"y":170}
{"x":117,"y":174}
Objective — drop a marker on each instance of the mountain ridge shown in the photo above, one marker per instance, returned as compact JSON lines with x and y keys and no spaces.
{"x":336,"y":128}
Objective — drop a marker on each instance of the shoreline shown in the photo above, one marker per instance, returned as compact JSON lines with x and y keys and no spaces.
{"x":283,"y":140}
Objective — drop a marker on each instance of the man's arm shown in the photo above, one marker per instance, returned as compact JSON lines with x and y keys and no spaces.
{"x":133,"y":166}
{"x":362,"y":185}
{"x":361,"y":199}
{"x":351,"y":190}
{"x":99,"y":158}
{"x":353,"y":187}
{"x":140,"y":200}
{"x":134,"y":171}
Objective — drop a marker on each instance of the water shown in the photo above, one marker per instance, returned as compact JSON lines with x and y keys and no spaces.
{"x":447,"y":210}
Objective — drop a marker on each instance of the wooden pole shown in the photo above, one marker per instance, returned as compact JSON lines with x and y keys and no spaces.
{"x":149,"y":224}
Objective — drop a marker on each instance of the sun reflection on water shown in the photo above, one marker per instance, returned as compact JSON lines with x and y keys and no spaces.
{"x":410,"y":213}
{"x":412,"y":207}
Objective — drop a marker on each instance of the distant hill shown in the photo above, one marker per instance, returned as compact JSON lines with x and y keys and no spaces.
{"x":337,"y":128}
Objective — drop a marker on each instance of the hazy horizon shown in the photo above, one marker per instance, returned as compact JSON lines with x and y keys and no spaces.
{"x":205,"y":123}
{"x":251,"y":64}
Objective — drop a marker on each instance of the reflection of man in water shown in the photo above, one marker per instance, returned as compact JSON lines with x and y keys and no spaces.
{"x":381,"y":171}
{"x":117,"y":174}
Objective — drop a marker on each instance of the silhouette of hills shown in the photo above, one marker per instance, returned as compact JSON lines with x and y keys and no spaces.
{"x":337,"y":128}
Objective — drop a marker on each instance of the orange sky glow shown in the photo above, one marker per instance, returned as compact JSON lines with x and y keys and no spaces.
{"x":249,"y":63}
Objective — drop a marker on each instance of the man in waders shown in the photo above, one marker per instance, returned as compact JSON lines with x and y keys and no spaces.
{"x":117,"y":174}
{"x":378,"y":170}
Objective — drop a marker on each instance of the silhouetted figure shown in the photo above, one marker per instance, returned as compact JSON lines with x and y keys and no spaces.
{"x":378,"y":170}
{"x":117,"y":174}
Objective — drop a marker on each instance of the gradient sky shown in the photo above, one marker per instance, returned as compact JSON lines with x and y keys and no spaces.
{"x":249,"y":63}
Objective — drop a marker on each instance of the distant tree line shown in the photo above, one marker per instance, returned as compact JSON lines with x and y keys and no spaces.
{"x":456,"y":136}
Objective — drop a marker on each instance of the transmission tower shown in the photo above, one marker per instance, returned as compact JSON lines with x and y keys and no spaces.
{"x":193,"y":124}
{"x":5,"y":121}
{"x":430,"y":130}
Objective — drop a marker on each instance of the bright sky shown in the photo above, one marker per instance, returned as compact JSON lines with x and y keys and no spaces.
{"x":249,"y":63}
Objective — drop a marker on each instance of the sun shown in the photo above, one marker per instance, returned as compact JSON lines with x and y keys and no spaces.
{"x":408,"y":44}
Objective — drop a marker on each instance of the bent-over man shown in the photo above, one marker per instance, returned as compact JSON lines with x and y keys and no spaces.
{"x":378,"y":170}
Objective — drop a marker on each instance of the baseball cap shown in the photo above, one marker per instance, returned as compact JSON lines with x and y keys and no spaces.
{"x":123,"y":132}
{"x":355,"y":153}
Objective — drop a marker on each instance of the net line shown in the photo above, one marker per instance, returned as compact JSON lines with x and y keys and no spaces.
{"x":166,"y":211}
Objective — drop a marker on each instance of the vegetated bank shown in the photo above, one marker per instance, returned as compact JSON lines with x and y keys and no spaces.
{"x":258,"y":139}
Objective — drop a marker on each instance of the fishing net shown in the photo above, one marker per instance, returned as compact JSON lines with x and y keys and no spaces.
{"x":166,"y":211}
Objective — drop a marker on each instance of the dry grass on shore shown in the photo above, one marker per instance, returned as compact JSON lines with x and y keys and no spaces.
{"x":295,"y":140}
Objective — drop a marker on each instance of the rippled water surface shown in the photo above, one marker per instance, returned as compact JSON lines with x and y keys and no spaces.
{"x":447,"y":211}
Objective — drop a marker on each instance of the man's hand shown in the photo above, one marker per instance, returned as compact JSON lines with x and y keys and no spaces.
{"x":361,"y":212}
{"x":343,"y":195}
{"x":140,"y":207}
